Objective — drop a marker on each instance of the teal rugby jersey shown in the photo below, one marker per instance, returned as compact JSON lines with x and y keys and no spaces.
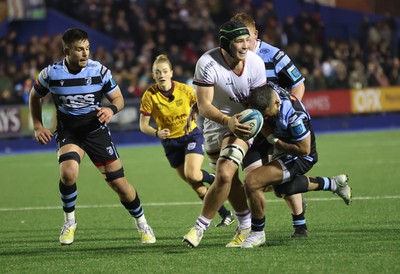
{"x":279,"y":68}
{"x":293,"y":123}
{"x":75,"y":94}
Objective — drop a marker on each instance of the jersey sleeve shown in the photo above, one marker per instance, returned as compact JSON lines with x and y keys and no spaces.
{"x":109,"y":84}
{"x":288,"y":74}
{"x":41,"y":85}
{"x":298,"y":127}
{"x":146,"y":104}
{"x":204,"y":72}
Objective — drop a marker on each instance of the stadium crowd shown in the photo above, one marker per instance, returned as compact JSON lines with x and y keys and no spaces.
{"x":184,"y":31}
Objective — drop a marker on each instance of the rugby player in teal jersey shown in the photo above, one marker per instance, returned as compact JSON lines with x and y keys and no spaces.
{"x":77,"y":85}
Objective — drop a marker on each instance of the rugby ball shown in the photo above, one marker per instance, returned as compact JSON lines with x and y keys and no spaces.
{"x":254,"y":119}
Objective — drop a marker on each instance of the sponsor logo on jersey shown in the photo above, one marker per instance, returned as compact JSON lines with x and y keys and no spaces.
{"x":77,"y":100}
{"x":293,"y":118}
{"x":294,"y":73}
{"x":113,"y":83}
{"x":207,"y":68}
{"x":279,"y":55}
{"x":45,"y":75}
{"x":263,"y":51}
{"x":229,"y":82}
{"x":297,"y":128}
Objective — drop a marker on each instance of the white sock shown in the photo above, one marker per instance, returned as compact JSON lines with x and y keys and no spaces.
{"x":69,"y":217}
{"x":202,"y":222}
{"x":333,"y":185}
{"x":244,"y":219}
{"x":141,"y":221}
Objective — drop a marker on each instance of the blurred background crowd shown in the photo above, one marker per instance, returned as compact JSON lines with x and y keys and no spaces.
{"x":186,"y":29}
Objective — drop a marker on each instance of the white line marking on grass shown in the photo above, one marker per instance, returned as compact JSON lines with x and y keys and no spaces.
{"x":185,"y":203}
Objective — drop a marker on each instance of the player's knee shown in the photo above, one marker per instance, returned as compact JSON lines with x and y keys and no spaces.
{"x":72,"y":155}
{"x":68,"y":174}
{"x":249,"y":183}
{"x":192,"y":176}
{"x":111,"y":176}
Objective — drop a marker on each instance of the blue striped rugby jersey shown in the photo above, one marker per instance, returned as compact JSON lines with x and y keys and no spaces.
{"x":75,"y":94}
{"x":279,"y":68}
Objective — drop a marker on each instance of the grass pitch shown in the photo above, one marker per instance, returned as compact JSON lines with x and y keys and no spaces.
{"x":361,"y":238}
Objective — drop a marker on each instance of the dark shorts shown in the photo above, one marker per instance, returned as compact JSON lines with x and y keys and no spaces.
{"x":176,"y":149}
{"x":97,"y":144}
{"x":259,"y":150}
{"x":294,"y":166}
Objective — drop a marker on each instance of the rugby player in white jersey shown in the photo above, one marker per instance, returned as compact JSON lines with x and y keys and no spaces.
{"x":223,"y":78}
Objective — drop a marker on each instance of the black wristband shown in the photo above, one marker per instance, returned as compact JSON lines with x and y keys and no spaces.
{"x":156,"y":133}
{"x":113,"y":108}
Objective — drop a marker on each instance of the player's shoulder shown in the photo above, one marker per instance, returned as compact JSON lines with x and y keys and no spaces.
{"x":93,"y":64}
{"x":150,"y":91}
{"x":210,"y":55}
{"x":266,"y":48}
{"x":55,"y":66}
{"x":254,"y":60}
{"x":51,"y":70}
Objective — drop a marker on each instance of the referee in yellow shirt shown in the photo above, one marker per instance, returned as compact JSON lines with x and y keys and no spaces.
{"x":169,"y":103}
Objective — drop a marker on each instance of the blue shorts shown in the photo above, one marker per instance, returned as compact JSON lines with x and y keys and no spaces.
{"x":176,"y":148}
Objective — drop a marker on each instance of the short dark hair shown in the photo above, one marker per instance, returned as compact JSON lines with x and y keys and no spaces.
{"x":74,"y":34}
{"x":260,"y":98}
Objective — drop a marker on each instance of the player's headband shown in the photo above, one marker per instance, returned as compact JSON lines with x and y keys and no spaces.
{"x":230,"y":31}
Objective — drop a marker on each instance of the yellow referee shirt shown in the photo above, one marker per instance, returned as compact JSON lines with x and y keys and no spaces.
{"x":171,"y":110}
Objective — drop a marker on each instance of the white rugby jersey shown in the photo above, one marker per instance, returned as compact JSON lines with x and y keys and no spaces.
{"x":230,"y":89}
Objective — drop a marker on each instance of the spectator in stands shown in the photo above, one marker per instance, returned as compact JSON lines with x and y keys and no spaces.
{"x":6,"y":88}
{"x":357,"y":79}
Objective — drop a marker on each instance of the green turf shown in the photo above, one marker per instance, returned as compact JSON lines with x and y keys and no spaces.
{"x":361,"y":238}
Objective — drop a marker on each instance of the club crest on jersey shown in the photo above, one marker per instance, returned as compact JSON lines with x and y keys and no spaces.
{"x":88,"y":81}
{"x":179,"y":102}
{"x":110,"y":150}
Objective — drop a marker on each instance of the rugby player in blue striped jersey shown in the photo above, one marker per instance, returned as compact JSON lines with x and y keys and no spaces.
{"x":279,"y":69}
{"x":77,"y":85}
{"x":288,"y":128}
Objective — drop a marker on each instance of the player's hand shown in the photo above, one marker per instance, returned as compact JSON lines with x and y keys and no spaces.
{"x":164,"y":133}
{"x":194,"y":112}
{"x":104,"y":114}
{"x":43,"y":135}
{"x":238,"y":128}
